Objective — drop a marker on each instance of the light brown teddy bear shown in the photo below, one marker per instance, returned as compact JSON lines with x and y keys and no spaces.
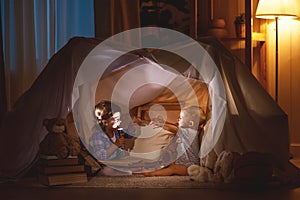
{"x":58,"y":142}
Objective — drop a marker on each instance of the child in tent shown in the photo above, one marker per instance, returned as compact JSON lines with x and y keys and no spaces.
{"x":184,"y":146}
{"x":107,"y":141}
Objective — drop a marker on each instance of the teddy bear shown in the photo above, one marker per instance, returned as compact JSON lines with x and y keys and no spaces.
{"x":224,"y":166}
{"x":223,"y":170}
{"x":200,"y":173}
{"x":58,"y":142}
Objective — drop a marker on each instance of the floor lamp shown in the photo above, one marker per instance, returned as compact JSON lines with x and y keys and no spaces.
{"x":276,"y":9}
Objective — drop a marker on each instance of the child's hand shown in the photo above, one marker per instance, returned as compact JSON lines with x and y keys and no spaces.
{"x":120,"y":142}
{"x":128,"y":144}
{"x":158,"y":121}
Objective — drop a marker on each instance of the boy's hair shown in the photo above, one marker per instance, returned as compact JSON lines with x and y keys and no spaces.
{"x":195,"y":114}
{"x":106,"y":109}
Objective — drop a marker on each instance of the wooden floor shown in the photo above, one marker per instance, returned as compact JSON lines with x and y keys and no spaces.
{"x":44,"y":193}
{"x":147,"y":194}
{"x":296,"y":162}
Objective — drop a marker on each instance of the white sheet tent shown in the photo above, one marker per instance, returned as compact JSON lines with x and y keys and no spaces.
{"x":253,"y":121}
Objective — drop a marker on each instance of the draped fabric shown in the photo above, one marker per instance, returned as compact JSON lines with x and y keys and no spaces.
{"x":49,"y":97}
{"x":254,"y":122}
{"x":115,"y":16}
{"x":33,"y":31}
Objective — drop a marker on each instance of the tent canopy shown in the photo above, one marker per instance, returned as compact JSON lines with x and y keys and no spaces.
{"x":252,"y":120}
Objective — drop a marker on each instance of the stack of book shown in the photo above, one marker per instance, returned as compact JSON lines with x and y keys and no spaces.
{"x":53,"y":171}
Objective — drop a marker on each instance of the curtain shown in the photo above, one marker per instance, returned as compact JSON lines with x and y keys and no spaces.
{"x":33,"y":31}
{"x":74,"y":18}
{"x":2,"y":79}
{"x":19,"y":47}
{"x":115,"y":16}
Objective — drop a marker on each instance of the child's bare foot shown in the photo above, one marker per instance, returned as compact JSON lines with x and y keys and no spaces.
{"x":159,"y":172}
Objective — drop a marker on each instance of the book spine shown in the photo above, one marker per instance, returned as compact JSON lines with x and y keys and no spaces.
{"x":60,"y":169}
{"x":58,"y":162}
{"x":62,"y":179}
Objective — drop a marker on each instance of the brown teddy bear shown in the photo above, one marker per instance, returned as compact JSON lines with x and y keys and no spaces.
{"x":58,"y":142}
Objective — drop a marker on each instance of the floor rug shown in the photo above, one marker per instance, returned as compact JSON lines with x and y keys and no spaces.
{"x":144,"y":182}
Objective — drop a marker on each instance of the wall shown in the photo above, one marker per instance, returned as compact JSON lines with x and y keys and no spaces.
{"x":289,"y":70}
{"x":228,"y":10}
{"x":289,"y":58}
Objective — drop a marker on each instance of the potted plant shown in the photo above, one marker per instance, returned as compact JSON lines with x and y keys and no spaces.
{"x":240,"y":26}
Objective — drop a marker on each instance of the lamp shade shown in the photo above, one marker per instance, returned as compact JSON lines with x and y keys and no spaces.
{"x":271,"y":9}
